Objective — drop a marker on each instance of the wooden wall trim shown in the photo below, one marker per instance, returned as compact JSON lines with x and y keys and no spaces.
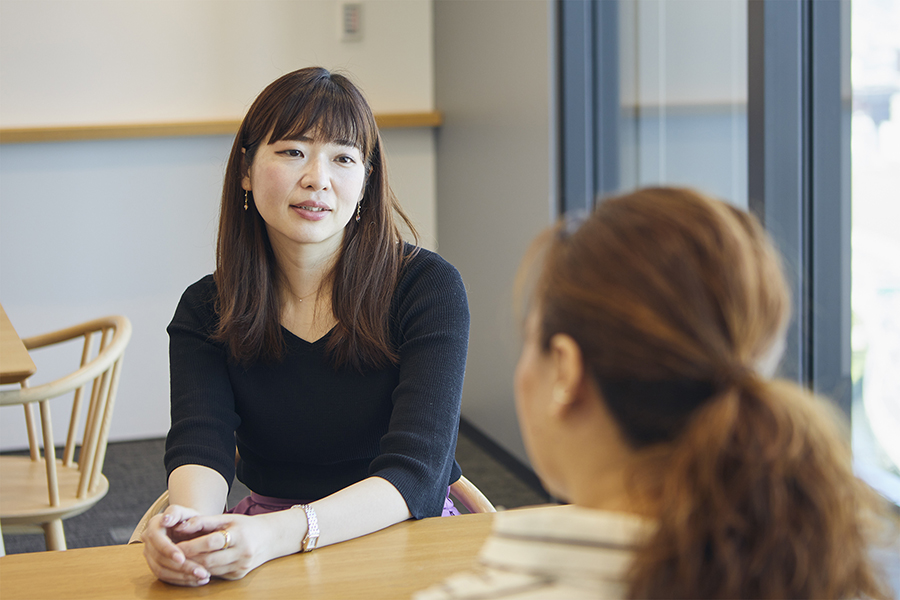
{"x":21,"y":135}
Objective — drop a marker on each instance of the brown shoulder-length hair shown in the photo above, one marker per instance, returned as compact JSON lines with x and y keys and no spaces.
{"x":371,"y":256}
{"x":675,"y":299}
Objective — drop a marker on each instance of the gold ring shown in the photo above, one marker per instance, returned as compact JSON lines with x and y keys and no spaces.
{"x":227,"y":535}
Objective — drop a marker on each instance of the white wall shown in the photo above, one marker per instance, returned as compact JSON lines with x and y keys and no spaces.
{"x":108,"y":61}
{"x":496,"y":177}
{"x":123,"y":226}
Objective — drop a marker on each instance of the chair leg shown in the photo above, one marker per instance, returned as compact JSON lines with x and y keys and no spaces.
{"x":54,"y":535}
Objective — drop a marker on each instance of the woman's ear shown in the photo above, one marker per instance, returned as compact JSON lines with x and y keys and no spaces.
{"x":568,"y":370}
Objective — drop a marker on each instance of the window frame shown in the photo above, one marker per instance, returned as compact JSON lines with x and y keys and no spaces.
{"x":799,"y":176}
{"x":798,"y":117}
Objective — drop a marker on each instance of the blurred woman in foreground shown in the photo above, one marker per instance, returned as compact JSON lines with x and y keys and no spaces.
{"x":644,"y":398}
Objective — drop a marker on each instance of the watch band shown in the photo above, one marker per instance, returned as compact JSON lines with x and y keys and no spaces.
{"x":311,"y":539}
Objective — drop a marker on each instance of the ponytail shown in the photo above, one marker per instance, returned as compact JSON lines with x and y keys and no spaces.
{"x":757,"y":499}
{"x":674,"y":300}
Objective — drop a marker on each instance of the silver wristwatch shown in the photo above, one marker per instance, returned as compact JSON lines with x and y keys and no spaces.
{"x":311,"y":539}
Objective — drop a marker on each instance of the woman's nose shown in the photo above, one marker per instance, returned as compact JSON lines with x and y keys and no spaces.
{"x":315,"y":174}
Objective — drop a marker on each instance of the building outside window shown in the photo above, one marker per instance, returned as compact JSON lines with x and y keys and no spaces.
{"x":875,"y":234}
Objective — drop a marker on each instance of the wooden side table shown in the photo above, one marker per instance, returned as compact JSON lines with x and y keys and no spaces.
{"x":15,"y":363}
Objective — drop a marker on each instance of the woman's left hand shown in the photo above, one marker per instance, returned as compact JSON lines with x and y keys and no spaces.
{"x":228,"y":546}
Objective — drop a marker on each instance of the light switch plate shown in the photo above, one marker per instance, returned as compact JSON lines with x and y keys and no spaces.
{"x":350,"y":22}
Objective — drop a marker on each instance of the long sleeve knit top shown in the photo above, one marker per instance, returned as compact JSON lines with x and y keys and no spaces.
{"x":305,"y":430}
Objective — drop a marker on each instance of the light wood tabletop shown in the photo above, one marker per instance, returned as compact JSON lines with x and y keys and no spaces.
{"x":15,"y":363}
{"x":390,"y":564}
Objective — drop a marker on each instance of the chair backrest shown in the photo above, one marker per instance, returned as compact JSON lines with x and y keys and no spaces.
{"x":470,"y":496}
{"x":161,"y":504}
{"x":101,"y":370}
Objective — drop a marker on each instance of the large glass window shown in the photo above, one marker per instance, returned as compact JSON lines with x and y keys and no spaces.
{"x":683,"y":92}
{"x":750,"y":101}
{"x":875,"y":160}
{"x":654,"y":92}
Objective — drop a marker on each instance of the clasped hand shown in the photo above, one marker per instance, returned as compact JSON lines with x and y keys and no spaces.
{"x":186,"y":548}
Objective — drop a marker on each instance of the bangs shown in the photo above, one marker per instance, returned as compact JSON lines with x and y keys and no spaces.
{"x":330,"y":114}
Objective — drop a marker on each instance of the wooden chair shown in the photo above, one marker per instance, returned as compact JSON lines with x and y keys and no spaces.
{"x":37,"y":492}
{"x":463,"y":490}
{"x":471,"y":497}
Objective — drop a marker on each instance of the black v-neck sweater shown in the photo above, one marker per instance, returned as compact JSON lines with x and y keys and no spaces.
{"x":305,"y":430}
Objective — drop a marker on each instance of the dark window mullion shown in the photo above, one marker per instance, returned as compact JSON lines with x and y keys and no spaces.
{"x":606,"y":96}
{"x":799,"y":177}
{"x":830,"y":202}
{"x":777,"y":152}
{"x":577,"y":104}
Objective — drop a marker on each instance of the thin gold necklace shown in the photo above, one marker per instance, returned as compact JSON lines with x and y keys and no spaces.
{"x":301,"y":299}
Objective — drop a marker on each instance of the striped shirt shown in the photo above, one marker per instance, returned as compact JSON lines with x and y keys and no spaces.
{"x":559,"y":553}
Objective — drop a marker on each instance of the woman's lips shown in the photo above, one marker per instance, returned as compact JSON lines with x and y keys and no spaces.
{"x":311,"y":212}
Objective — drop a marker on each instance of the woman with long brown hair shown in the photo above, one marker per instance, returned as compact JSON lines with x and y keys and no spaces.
{"x":645,"y":397}
{"x":322,"y":362}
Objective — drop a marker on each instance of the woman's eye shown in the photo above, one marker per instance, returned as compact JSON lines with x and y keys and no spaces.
{"x":344,"y":159}
{"x":293,"y":152}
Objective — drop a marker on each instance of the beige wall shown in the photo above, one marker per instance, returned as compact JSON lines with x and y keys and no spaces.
{"x":109,"y":61}
{"x":496,"y":182}
{"x":123,"y":226}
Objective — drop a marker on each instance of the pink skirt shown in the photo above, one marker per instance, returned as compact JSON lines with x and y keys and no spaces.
{"x":257,"y":504}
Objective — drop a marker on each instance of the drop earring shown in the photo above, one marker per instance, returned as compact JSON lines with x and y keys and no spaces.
{"x":245,"y":199}
{"x":357,"y":211}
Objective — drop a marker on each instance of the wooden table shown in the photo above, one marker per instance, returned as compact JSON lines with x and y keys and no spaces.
{"x":15,"y":363}
{"x":390,"y":564}
{"x":15,"y":366}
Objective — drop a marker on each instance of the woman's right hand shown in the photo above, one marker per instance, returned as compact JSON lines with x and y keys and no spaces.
{"x":164,"y":557}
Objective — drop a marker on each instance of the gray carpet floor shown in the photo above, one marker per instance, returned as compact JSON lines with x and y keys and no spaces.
{"x":137,"y":477}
